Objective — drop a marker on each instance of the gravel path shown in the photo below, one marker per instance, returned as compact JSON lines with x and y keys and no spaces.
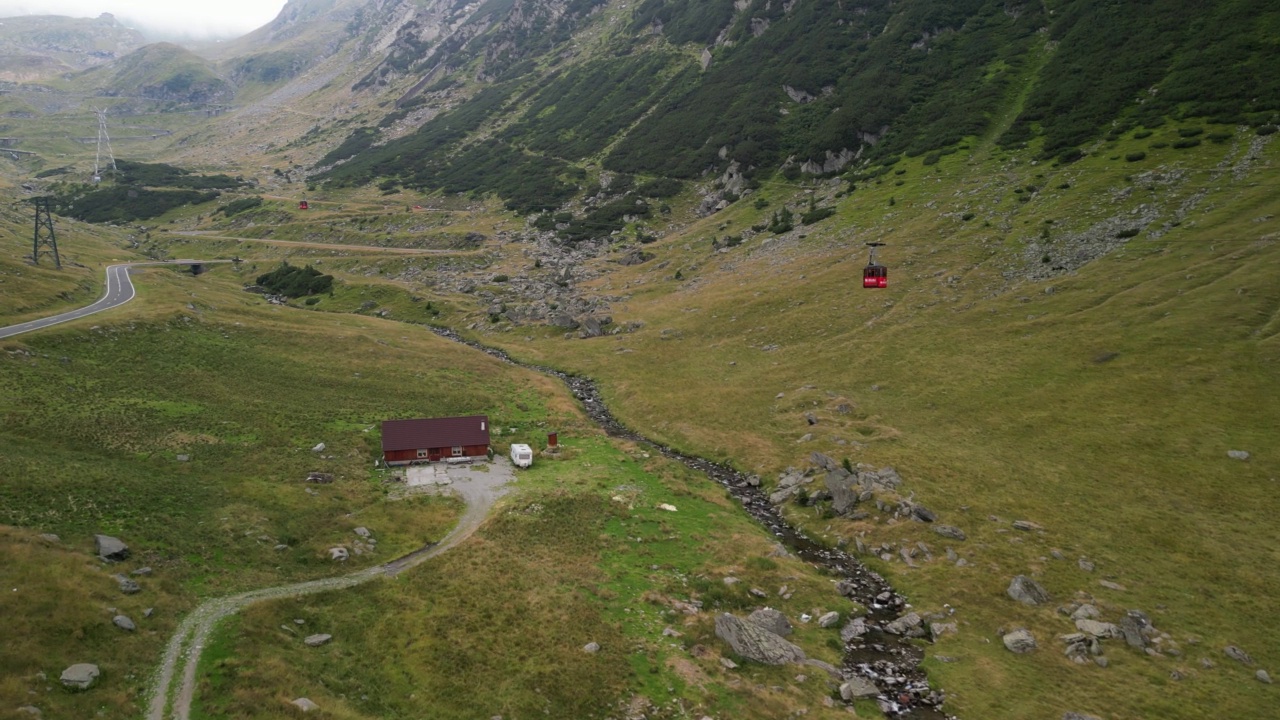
{"x":480,"y":489}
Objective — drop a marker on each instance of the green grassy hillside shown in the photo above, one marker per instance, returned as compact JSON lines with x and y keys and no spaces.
{"x":1006,"y":379}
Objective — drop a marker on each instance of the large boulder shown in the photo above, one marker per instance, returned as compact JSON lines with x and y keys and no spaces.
{"x":80,"y":676}
{"x":1025,"y":590}
{"x":1020,"y":641}
{"x":772,"y":620}
{"x":304,"y":704}
{"x":755,"y":643}
{"x":949,"y":531}
{"x":857,"y":687}
{"x":844,"y":490}
{"x":318,"y":639}
{"x":110,"y":549}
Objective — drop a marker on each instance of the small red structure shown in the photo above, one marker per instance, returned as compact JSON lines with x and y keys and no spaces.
{"x":553,"y":440}
{"x":303,"y":205}
{"x":432,"y":439}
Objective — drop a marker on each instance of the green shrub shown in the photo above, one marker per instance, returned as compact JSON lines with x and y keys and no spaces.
{"x":1070,"y":155}
{"x":292,"y":281}
{"x":816,"y":215}
{"x":236,"y":207}
{"x":967,"y":217}
{"x":1219,"y":137}
{"x":1128,"y":232}
{"x":1142,"y":134}
{"x":312,"y":300}
{"x":782,"y":221}
{"x":1159,"y":145}
{"x":1266,"y":130}
{"x":1184,"y":144}
{"x":1135,"y":156}
{"x":1190,"y":132}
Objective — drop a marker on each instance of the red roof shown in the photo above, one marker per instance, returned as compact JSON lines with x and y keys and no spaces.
{"x":427,"y":433}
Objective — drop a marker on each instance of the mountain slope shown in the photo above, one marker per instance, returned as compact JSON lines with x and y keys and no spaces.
{"x":34,"y":48}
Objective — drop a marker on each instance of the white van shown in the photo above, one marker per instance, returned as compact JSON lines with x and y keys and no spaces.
{"x":521,"y":455}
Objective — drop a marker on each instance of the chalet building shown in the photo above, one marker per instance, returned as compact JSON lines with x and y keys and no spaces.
{"x":432,"y":439}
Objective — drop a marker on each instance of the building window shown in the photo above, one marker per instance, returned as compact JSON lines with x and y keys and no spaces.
{"x":457,"y":451}
{"x":423,"y":454}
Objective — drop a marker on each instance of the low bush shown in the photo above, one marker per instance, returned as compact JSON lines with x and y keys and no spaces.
{"x":1135,"y":156}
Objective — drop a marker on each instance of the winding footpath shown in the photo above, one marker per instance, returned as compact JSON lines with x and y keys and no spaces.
{"x":182,"y":654}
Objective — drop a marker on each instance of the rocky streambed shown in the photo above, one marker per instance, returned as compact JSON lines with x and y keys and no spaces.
{"x":887,"y":659}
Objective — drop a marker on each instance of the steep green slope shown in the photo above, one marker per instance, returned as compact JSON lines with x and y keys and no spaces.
{"x":161,"y":71}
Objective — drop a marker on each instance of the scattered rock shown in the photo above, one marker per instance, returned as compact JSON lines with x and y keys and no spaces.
{"x":772,"y":620}
{"x":127,"y":586}
{"x":1085,"y":565}
{"x":1026,"y":525}
{"x":183,"y":458}
{"x":667,"y":506}
{"x":320,"y":478}
{"x":1085,"y":611}
{"x":1131,"y":627}
{"x":855,"y":628}
{"x":923,"y":514}
{"x":80,"y":676}
{"x":142,"y":571}
{"x":591,"y":648}
{"x":30,"y":710}
{"x":1238,"y":454}
{"x":1263,"y":676}
{"x":728,"y":664}
{"x":124,"y":623}
{"x":1025,"y":590}
{"x":339,"y":554}
{"x":1237,"y":654}
{"x":1079,"y":716}
{"x":1111,"y":585}
{"x":1098,"y":629}
{"x":320,"y":447}
{"x":910,"y":625}
{"x":363,"y":532}
{"x":110,"y":549}
{"x":304,"y":704}
{"x":1020,"y":641}
{"x":317,"y":640}
{"x":937,"y":629}
{"x":755,"y":643}
{"x":950,"y":531}
{"x":857,"y":687}
{"x":50,"y":537}
{"x":829,"y":619}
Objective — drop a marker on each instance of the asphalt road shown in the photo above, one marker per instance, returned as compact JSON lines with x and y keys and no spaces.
{"x":119,"y":291}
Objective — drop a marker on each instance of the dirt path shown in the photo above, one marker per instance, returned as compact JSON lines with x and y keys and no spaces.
{"x":480,"y":489}
{"x":323,"y":246}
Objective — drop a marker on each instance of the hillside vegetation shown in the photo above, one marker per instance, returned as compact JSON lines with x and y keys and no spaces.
{"x":1071,"y":370}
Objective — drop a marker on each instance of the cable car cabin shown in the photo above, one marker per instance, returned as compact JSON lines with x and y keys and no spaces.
{"x":303,"y":205}
{"x":875,"y":276}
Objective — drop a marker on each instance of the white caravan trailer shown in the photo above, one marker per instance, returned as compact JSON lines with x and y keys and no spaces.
{"x":521,"y":455}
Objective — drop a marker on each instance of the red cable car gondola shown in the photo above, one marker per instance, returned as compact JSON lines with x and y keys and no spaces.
{"x":303,"y":205}
{"x":875,"y":275}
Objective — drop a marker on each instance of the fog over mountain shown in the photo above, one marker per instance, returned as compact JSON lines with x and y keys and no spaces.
{"x":160,"y":20}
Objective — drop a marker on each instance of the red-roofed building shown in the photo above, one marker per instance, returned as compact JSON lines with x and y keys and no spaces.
{"x":431,"y":439}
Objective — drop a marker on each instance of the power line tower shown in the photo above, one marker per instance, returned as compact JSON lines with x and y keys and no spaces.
{"x":104,"y":140}
{"x":44,"y":236}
